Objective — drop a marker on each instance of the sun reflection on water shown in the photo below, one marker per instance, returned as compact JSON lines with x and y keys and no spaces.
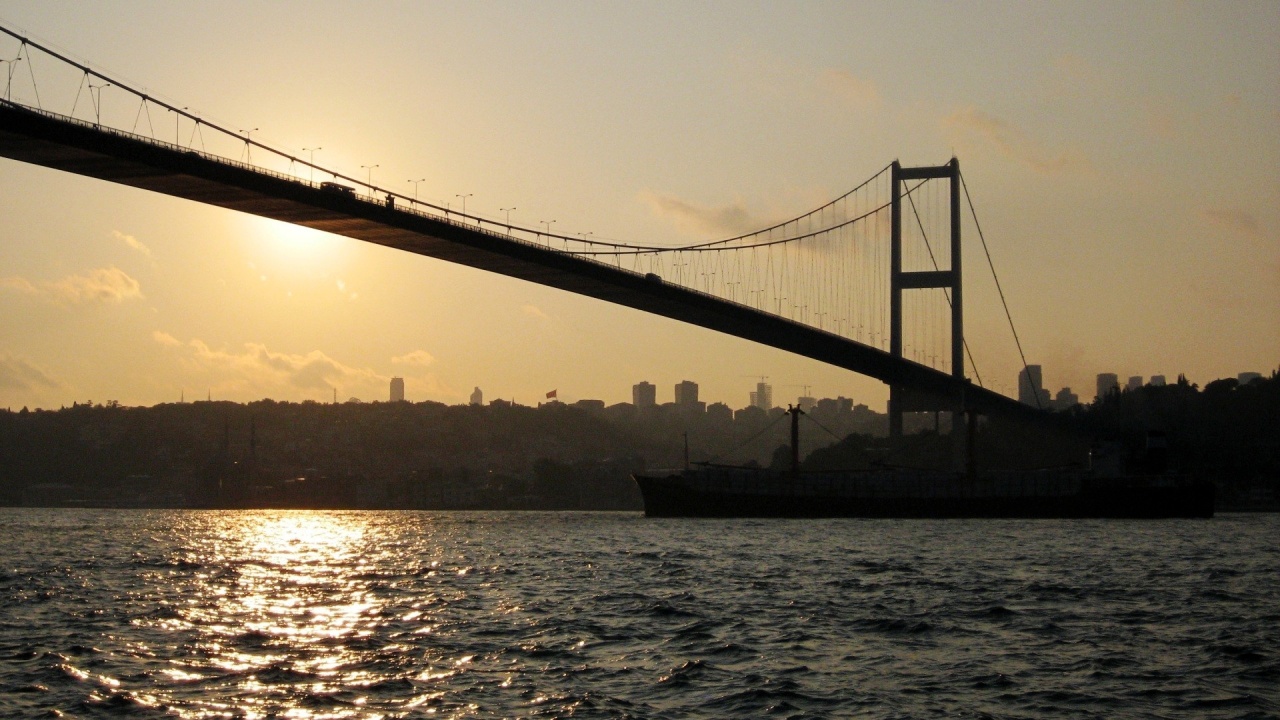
{"x":291,"y":592}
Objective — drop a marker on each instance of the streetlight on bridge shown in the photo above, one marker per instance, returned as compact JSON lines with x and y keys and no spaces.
{"x":369,"y":182}
{"x":9,"y":82}
{"x":311,"y":161}
{"x":97,"y":100}
{"x":548,"y":224}
{"x":415,"y":188}
{"x":464,"y":204}
{"x":508,"y":212}
{"x":248,"y":141}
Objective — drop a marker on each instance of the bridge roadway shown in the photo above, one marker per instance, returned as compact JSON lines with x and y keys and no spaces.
{"x":74,"y":146}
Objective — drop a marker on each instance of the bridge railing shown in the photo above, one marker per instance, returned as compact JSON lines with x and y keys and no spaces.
{"x":540,"y":241}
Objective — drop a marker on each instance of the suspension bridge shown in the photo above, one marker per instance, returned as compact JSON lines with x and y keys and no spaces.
{"x":870,"y":282}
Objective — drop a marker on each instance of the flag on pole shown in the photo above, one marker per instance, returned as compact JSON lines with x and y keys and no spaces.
{"x":551,"y":394}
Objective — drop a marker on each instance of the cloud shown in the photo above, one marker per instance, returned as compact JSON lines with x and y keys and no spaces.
{"x":165,"y":339}
{"x":1012,"y":142}
{"x":852,"y":88}
{"x":17,"y":373}
{"x":257,"y":371}
{"x":100,"y":285}
{"x":132,"y":242}
{"x":106,"y":285}
{"x":1236,"y":220}
{"x":533,"y":311}
{"x":18,"y":285}
{"x":417,"y":357}
{"x":731,"y":219}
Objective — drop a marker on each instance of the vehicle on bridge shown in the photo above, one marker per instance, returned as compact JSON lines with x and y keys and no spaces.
{"x":334,"y":187}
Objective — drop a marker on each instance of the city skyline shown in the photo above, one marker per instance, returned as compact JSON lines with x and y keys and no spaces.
{"x":113,"y":293}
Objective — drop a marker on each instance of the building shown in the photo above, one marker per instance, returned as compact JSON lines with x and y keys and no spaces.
{"x":719,"y":413}
{"x":477,"y":397}
{"x":763,"y":396}
{"x":397,"y":389}
{"x":686,"y":393}
{"x":1135,"y":383}
{"x":1065,"y":399}
{"x":1107,"y":384}
{"x":1031,"y":387}
{"x":1247,"y":377}
{"x":807,"y":403}
{"x":1157,"y":381}
{"x":644,"y":395}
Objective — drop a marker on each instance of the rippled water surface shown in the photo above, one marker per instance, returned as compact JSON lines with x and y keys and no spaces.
{"x":386,"y":614}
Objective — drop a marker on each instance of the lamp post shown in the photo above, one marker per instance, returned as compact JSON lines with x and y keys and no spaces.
{"x":97,"y":101}
{"x":248,"y":144}
{"x":9,"y":72}
{"x":464,"y":204}
{"x":369,"y":182}
{"x":547,"y":223}
{"x":508,"y":212}
{"x":311,"y":161}
{"x":415,"y":188}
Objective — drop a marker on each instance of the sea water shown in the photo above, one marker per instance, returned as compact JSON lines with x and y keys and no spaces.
{"x":210,"y":614}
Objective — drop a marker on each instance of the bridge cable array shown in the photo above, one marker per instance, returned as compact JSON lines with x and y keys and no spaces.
{"x":827,"y":268}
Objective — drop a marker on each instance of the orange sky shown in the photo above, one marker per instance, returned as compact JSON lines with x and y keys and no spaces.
{"x":1124,"y":160}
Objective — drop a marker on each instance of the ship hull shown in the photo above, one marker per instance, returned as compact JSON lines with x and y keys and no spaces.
{"x":689,"y":495}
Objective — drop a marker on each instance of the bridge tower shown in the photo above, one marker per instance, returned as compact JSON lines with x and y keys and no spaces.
{"x":901,"y":399}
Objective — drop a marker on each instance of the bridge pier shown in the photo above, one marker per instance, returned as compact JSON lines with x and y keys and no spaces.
{"x":900,"y":399}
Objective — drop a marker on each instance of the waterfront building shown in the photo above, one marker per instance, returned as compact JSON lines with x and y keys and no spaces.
{"x":1031,"y":386}
{"x":477,"y":397}
{"x":1107,"y":384}
{"x":397,"y":389}
{"x":1135,"y":382}
{"x":644,"y":395}
{"x":1157,"y":381}
{"x":1065,"y":399}
{"x":686,"y":393}
{"x":763,"y":396}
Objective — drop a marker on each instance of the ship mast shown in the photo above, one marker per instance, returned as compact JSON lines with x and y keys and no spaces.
{"x":795,"y":412}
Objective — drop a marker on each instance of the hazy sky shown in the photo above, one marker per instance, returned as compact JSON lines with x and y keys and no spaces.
{"x":1124,"y":159}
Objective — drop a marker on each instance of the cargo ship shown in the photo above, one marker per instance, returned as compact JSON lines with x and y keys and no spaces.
{"x":707,"y":490}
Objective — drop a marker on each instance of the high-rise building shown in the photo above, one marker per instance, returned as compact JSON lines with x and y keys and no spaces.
{"x":644,"y":394}
{"x":1135,"y":383}
{"x":477,"y":397}
{"x":763,"y":396}
{"x":1107,"y":384}
{"x":1247,"y":377}
{"x":686,"y":393}
{"x":806,"y":403}
{"x":1065,"y":400}
{"x":1031,"y":386}
{"x":1157,"y":381}
{"x":397,"y":389}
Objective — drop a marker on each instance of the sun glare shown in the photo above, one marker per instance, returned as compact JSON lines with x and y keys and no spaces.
{"x":292,"y":249}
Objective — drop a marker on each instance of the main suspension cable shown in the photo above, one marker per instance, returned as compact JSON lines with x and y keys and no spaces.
{"x":996,"y":277}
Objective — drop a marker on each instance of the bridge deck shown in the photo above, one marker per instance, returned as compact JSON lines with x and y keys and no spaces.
{"x":72,"y":146}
